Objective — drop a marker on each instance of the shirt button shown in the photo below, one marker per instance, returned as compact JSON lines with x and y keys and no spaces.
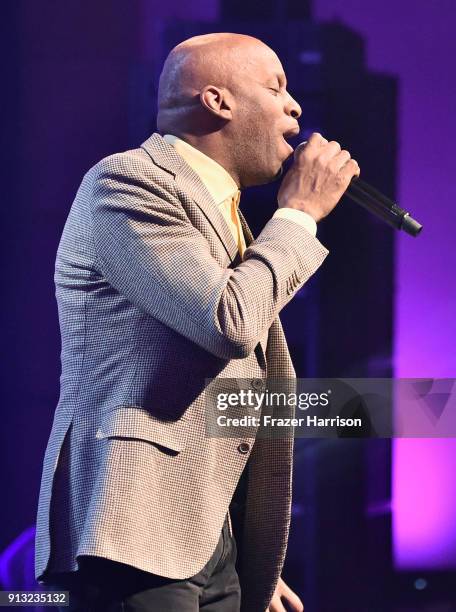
{"x":244,"y":448}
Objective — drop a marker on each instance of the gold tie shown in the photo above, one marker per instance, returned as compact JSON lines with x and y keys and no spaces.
{"x":237,"y":222}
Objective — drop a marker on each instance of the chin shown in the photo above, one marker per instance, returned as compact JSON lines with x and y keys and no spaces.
{"x":263,"y":178}
{"x":275,"y":175}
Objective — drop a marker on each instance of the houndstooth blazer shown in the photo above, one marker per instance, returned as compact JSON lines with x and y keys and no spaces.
{"x":153,"y":300}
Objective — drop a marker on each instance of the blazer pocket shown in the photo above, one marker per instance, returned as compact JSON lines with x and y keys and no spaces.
{"x":132,"y":422}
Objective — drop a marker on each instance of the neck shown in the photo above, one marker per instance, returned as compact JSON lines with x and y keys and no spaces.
{"x":213,"y":146}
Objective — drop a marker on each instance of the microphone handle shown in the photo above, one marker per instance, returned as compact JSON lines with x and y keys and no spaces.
{"x":370,"y":198}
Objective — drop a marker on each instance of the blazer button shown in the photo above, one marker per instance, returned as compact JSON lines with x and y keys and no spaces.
{"x":257,"y":384}
{"x":244,"y":448}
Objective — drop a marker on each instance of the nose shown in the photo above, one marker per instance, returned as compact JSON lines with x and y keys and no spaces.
{"x":292,"y":108}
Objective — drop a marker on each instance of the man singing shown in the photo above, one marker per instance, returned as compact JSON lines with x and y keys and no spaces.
{"x":160,"y":286}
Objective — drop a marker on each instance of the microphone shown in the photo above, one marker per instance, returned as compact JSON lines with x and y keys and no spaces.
{"x":365,"y":195}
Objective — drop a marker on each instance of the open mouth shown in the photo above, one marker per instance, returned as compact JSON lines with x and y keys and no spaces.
{"x":290,"y":135}
{"x":287,"y":143}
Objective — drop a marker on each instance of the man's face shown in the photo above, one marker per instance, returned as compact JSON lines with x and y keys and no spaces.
{"x":264,"y":113}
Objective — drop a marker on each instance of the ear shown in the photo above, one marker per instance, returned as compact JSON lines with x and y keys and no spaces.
{"x":217,"y":101}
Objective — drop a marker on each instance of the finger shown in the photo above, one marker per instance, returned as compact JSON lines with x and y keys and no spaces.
{"x":276,"y":605}
{"x":293,"y":600}
{"x":330,"y":150}
{"x":350,"y":169}
{"x":359,"y":169}
{"x":311,"y":146}
{"x":315,"y":139}
{"x":339,"y":160}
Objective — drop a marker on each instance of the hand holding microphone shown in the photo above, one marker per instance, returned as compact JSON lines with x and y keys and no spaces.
{"x":320,"y":175}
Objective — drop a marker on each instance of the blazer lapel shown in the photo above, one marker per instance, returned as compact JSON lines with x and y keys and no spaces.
{"x":165,"y":156}
{"x":189,"y":181}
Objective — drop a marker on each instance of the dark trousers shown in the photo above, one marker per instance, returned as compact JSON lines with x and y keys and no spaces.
{"x":101,"y":585}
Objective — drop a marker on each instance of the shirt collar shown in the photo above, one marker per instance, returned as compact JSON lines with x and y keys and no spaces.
{"x":217,"y":180}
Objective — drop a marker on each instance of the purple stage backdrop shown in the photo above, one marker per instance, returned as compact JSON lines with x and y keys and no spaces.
{"x":415,"y":41}
{"x":59,"y":131}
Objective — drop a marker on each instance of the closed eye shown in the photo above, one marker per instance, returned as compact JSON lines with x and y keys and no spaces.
{"x":277,"y":91}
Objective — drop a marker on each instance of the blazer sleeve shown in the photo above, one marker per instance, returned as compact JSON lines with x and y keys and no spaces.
{"x":149,"y":251}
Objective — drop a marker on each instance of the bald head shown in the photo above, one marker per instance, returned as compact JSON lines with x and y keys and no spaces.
{"x":211,"y":59}
{"x":225,"y":94}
